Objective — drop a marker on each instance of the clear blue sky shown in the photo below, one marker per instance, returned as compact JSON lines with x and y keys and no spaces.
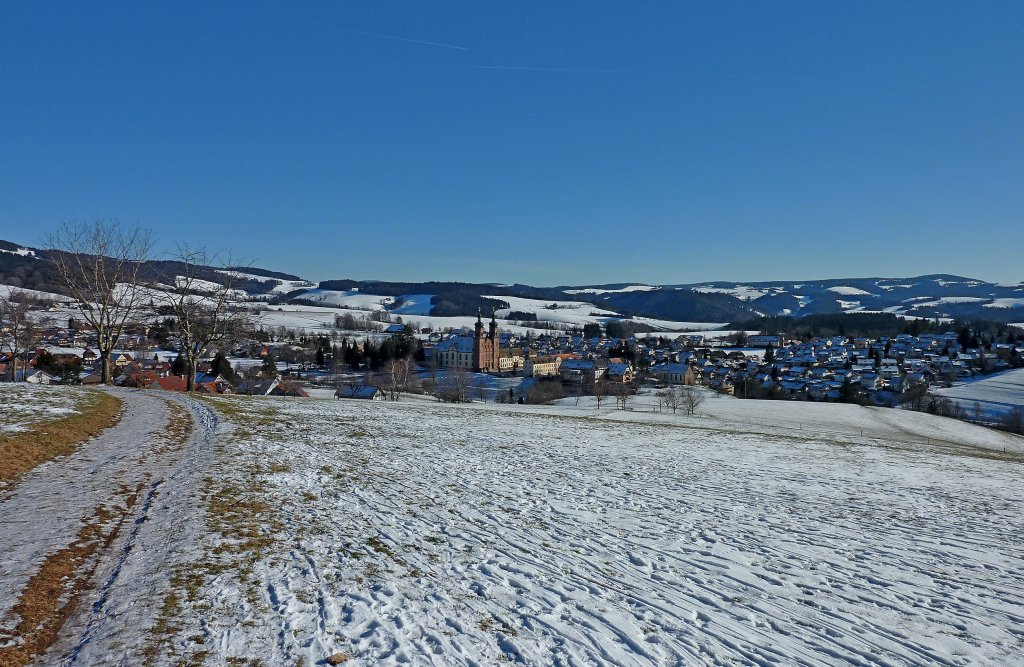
{"x":547,"y":143}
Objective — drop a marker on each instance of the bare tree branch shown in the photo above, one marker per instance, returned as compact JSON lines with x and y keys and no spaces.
{"x":205,"y":311}
{"x":18,"y":329}
{"x":100,"y":264}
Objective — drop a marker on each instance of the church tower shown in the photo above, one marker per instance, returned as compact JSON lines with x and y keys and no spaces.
{"x":478,"y":343}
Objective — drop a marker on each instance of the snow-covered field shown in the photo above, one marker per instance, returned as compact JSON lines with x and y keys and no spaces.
{"x":996,"y":394}
{"x":22,"y":404}
{"x":474,"y":535}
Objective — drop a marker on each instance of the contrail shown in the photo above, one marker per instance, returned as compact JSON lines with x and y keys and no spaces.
{"x":410,"y":40}
{"x":581,"y":70}
{"x":516,"y":68}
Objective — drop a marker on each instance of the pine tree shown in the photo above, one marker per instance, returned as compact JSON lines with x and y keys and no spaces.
{"x":178,"y":366}
{"x":222,"y":367}
{"x":269,"y":367}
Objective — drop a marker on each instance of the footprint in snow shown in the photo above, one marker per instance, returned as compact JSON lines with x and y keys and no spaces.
{"x":638,"y":561}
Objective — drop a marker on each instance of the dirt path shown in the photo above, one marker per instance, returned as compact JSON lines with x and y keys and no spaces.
{"x":85,"y":539}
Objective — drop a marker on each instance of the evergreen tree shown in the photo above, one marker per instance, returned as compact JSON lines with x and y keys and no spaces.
{"x":222,"y":367}
{"x":269,"y":367}
{"x":178,"y":366}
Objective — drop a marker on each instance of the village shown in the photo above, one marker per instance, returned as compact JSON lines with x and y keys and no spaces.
{"x":486,"y":363}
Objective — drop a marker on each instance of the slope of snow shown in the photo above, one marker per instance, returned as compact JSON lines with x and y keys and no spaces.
{"x":740,"y":291}
{"x":5,"y":291}
{"x":848,"y":291}
{"x":280,"y":287}
{"x":414,"y":304}
{"x":596,"y":290}
{"x":996,"y":393}
{"x":1005,"y":303}
{"x":24,"y":252}
{"x":476,"y":535}
{"x":953,"y":299}
{"x":348,"y":298}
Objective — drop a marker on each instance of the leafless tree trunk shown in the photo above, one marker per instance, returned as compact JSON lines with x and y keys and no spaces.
{"x":692,"y":399}
{"x":397,"y":376}
{"x":206,"y":311}
{"x":18,"y":330}
{"x":622,"y":395}
{"x":454,"y":385}
{"x":100,"y":264}
{"x":600,"y":391}
{"x":673,"y":398}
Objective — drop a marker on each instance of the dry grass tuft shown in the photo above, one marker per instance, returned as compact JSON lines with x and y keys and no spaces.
{"x":20,"y":452}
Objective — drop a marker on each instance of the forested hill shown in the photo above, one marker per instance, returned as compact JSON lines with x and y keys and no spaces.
{"x":931,"y":296}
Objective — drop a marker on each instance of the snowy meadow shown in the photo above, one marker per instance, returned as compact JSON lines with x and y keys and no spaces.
{"x":22,"y":405}
{"x":473,"y":535}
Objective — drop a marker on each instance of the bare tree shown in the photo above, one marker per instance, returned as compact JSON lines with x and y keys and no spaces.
{"x":673,"y":399}
{"x":18,"y":329}
{"x":577,"y":388}
{"x":623,"y":394}
{"x":397,"y":376}
{"x":600,"y":390}
{"x":206,"y":311}
{"x":100,"y":264}
{"x":691,"y":399}
{"x":454,"y":385}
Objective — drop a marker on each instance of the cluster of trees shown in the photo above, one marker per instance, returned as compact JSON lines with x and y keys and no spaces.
{"x":463,"y":303}
{"x":684,"y":398}
{"x":67,"y":370}
{"x":376,"y":356}
{"x":106,"y":269}
{"x":353,"y":322}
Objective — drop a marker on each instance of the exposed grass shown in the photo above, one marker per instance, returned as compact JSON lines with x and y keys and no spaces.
{"x":22,"y":451}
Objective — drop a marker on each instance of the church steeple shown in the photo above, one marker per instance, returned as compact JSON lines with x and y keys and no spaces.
{"x":493,"y":332}
{"x":479,"y":324}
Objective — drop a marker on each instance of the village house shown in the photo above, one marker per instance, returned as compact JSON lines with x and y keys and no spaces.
{"x":361,"y":392}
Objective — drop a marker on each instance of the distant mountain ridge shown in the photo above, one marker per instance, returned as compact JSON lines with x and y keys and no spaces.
{"x":928,"y":296}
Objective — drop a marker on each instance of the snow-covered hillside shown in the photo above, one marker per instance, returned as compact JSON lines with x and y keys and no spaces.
{"x":411,"y":532}
{"x":996,"y":394}
{"x":938,"y":296}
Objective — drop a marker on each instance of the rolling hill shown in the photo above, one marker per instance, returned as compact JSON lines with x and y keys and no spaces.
{"x":930,"y":296}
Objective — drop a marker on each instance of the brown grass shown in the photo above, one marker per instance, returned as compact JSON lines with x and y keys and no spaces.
{"x":20,"y":452}
{"x":54,"y":591}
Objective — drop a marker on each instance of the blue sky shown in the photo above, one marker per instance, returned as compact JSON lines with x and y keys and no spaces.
{"x":546,"y":143}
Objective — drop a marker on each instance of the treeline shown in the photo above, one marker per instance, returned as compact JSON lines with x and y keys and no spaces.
{"x":869,"y":325}
{"x":38,"y":273}
{"x":385,"y":288}
{"x":463,"y":303}
{"x":265,"y":273}
{"x":369,"y":354}
{"x":29,"y":272}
